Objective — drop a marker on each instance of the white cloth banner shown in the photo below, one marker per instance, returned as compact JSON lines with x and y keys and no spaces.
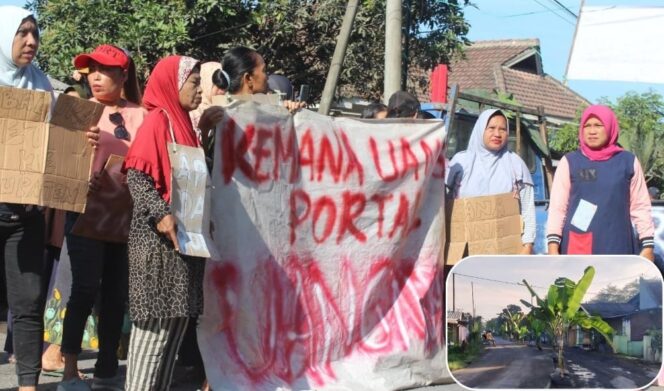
{"x":190,"y":199}
{"x":619,"y":43}
{"x":329,"y":232}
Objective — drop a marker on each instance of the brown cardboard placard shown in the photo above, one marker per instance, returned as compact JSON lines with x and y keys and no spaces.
{"x":482,"y":225}
{"x":108,"y":212}
{"x":45,"y":160}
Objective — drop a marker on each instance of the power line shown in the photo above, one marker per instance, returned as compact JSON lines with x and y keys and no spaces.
{"x":562,"y":6}
{"x":590,"y":291}
{"x":499,"y":281}
{"x":527,"y":14}
{"x":554,"y":12}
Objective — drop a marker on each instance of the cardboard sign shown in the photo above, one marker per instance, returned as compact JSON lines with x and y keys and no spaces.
{"x":482,"y":225}
{"x":107,"y":215}
{"x":45,"y":161}
{"x":190,"y":199}
{"x":329,"y":235}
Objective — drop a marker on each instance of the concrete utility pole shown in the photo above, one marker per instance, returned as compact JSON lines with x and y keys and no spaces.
{"x":338,"y":57}
{"x":392,"y":48}
{"x":453,"y":292}
{"x":472,"y":292}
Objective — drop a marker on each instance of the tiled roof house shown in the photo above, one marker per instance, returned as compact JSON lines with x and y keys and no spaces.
{"x":633,"y":318}
{"x":514,"y":67}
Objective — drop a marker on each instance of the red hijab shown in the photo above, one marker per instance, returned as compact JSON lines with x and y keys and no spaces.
{"x":610,"y":122}
{"x":148,"y":153}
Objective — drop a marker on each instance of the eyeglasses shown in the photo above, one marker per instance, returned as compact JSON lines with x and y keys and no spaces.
{"x":120,"y":130}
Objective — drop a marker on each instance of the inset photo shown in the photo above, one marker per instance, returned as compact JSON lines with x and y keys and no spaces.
{"x":554,"y":322}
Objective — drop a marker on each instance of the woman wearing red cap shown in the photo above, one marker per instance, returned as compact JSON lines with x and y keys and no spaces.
{"x":598,"y":193}
{"x":100,"y":267}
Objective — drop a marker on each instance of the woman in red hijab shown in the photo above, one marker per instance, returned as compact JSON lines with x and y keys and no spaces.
{"x":165,"y":287}
{"x":598,"y":193}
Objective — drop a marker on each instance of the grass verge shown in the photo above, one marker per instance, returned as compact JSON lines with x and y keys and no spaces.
{"x":458,"y":357}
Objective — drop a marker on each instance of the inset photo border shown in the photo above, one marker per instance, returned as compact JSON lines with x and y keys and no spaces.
{"x":533,"y":322}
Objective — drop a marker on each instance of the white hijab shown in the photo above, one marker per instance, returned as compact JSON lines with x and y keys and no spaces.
{"x":479,"y":171}
{"x":11,"y":75}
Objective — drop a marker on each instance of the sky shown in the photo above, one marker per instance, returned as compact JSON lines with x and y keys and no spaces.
{"x":496,"y":280}
{"x":520,"y":19}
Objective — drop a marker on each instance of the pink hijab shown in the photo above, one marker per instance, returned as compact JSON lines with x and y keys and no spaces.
{"x":610,"y":122}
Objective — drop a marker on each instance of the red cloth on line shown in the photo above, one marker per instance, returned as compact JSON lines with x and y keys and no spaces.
{"x":148,"y":153}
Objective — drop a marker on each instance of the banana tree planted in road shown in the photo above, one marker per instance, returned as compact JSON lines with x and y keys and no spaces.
{"x":559,"y":310}
{"x":537,"y":326}
{"x":513,"y":321}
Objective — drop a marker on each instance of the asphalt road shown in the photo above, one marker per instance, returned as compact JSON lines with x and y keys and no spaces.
{"x":604,"y":370}
{"x":182,"y":380}
{"x":508,"y":365}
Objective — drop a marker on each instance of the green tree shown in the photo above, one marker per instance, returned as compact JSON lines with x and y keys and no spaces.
{"x":559,"y":310}
{"x":537,"y":327}
{"x":146,"y":28}
{"x":566,"y":139}
{"x":641,"y":118}
{"x":613,"y":294}
{"x":513,"y":317}
{"x":296,"y":37}
{"x":495,"y":324}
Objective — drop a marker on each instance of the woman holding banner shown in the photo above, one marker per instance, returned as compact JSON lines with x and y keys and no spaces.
{"x":243,"y":73}
{"x":598,"y":193}
{"x":22,"y":226}
{"x":165,"y":286}
{"x":101,"y":266}
{"x":487,"y":167}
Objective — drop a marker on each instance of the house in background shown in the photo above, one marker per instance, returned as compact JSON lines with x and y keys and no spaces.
{"x":514,"y":67}
{"x":510,"y":71}
{"x":631,"y":321}
{"x":458,"y":327}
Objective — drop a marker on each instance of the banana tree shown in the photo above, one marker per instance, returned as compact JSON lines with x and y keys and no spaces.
{"x":513,"y":321}
{"x":522,"y":332}
{"x":537,"y":326}
{"x":559,"y":310}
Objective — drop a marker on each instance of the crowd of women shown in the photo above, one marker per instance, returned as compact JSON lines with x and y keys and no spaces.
{"x":162,"y":286}
{"x":598,"y":192}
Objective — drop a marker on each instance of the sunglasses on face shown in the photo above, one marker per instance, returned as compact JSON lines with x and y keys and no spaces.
{"x":120,"y":131}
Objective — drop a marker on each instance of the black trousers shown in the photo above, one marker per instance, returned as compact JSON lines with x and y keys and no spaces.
{"x":96,"y":268}
{"x":22,"y":260}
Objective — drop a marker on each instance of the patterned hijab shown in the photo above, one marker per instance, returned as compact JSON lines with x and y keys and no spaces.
{"x":28,"y":77}
{"x":148,"y":153}
{"x":610,"y":122}
{"x":479,"y":171}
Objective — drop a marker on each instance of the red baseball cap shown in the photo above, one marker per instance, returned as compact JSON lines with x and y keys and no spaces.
{"x":108,"y":55}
